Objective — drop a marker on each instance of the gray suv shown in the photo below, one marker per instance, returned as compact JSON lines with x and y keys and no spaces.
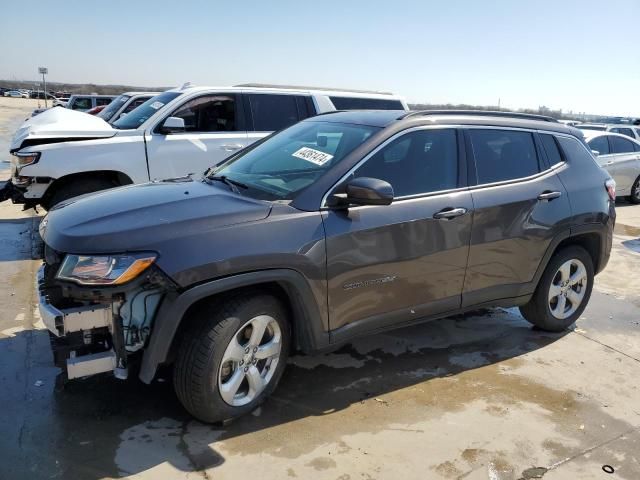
{"x":341,"y":225}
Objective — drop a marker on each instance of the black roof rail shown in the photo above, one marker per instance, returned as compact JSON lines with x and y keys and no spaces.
{"x":479,"y":113}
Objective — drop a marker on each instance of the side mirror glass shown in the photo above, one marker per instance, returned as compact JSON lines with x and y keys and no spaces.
{"x":173,"y":125}
{"x":363,"y":191}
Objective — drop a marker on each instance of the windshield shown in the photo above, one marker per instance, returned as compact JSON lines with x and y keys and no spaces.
{"x":110,"y":110}
{"x":291,"y":160}
{"x":141,"y":114}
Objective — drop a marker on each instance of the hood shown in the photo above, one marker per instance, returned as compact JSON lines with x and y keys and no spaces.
{"x":146,"y":217}
{"x":62,"y":124}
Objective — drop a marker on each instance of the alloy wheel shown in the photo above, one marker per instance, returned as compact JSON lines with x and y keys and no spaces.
{"x":249,"y":361}
{"x":567,"y":289}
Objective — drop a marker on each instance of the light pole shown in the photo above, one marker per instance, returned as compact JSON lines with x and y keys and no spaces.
{"x":44,"y":71}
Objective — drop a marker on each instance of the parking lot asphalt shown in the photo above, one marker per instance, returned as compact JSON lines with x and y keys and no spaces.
{"x":477,"y":396}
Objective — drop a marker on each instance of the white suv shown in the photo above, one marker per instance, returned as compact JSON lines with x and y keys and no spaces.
{"x":61,"y":153}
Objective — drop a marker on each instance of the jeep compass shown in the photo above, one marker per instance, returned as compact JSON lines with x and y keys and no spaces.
{"x":341,"y":225}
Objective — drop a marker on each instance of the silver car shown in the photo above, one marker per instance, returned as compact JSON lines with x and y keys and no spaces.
{"x":620,"y":156}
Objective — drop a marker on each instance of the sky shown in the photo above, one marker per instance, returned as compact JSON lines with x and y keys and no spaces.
{"x":580,"y":56}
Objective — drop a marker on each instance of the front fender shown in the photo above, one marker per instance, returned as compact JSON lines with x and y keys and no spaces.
{"x":307,"y":321}
{"x":123,"y":153}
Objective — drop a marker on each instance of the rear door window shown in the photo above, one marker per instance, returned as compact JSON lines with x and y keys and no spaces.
{"x":273,"y":112}
{"x":355,"y":103}
{"x":621,"y":145}
{"x":600,"y":145}
{"x":502,"y":155}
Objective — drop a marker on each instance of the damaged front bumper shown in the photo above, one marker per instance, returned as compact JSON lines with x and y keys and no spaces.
{"x":89,"y":338}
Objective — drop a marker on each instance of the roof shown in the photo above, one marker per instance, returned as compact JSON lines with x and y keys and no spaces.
{"x":299,"y":90}
{"x":325,"y":89}
{"x":131,"y":94}
{"x":382,"y":118}
{"x":589,"y":134}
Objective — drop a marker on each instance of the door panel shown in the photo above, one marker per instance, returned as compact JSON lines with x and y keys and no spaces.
{"x":515,"y":222}
{"x":512,"y":230}
{"x":396,"y":259}
{"x":212,"y":134}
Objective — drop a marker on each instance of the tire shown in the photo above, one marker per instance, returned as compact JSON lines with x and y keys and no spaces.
{"x":555,"y":313}
{"x":217,"y":349}
{"x":635,"y":192}
{"x":77,"y":187}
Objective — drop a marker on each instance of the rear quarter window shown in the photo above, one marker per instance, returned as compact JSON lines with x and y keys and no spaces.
{"x":355,"y":103}
{"x":551,"y":148}
{"x":575,"y":152}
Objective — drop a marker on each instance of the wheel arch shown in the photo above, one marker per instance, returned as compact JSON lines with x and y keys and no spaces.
{"x":119,"y":178}
{"x":594,"y":238}
{"x":288,"y":285}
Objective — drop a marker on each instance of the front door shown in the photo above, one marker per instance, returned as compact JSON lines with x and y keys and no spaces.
{"x":214,"y":129}
{"x":397,"y":263}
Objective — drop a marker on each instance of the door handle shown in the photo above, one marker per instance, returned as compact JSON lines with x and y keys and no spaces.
{"x":231,"y":146}
{"x":449,"y":213}
{"x":549,"y":195}
{"x":610,"y":162}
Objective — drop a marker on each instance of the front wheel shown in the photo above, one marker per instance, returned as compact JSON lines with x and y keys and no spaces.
{"x":80,"y":186}
{"x":563,"y":291}
{"x":232,"y":357}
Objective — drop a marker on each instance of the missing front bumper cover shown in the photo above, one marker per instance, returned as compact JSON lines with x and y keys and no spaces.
{"x":63,"y":321}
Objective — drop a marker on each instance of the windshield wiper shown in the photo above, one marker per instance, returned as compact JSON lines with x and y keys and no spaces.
{"x":233,"y":184}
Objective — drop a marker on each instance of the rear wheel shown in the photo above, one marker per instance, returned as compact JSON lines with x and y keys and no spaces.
{"x":635,"y":191}
{"x":232,"y":357}
{"x":77,"y":187}
{"x":563,"y":291}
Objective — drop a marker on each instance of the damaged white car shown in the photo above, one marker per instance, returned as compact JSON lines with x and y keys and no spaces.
{"x":61,"y":153}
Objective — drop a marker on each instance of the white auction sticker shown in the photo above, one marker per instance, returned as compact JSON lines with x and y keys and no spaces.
{"x":156,"y":105}
{"x":313,"y":156}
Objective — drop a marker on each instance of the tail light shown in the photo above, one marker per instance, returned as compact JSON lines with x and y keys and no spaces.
{"x":610,"y":185}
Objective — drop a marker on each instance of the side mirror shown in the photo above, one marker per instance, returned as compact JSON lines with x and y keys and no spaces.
{"x":595,"y":153}
{"x":363,"y":191}
{"x":173,"y":125}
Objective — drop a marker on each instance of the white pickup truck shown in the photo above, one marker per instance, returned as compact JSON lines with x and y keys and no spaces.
{"x":61,"y":153}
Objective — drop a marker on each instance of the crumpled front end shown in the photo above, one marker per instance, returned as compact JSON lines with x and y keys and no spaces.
{"x":97,"y":330}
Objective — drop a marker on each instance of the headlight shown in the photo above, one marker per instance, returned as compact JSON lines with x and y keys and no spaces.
{"x":27,"y":158}
{"x":104,"y":269}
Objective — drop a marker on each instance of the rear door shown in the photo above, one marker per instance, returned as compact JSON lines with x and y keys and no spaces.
{"x":214,"y":129}
{"x":397,"y":263}
{"x":520,"y":205}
